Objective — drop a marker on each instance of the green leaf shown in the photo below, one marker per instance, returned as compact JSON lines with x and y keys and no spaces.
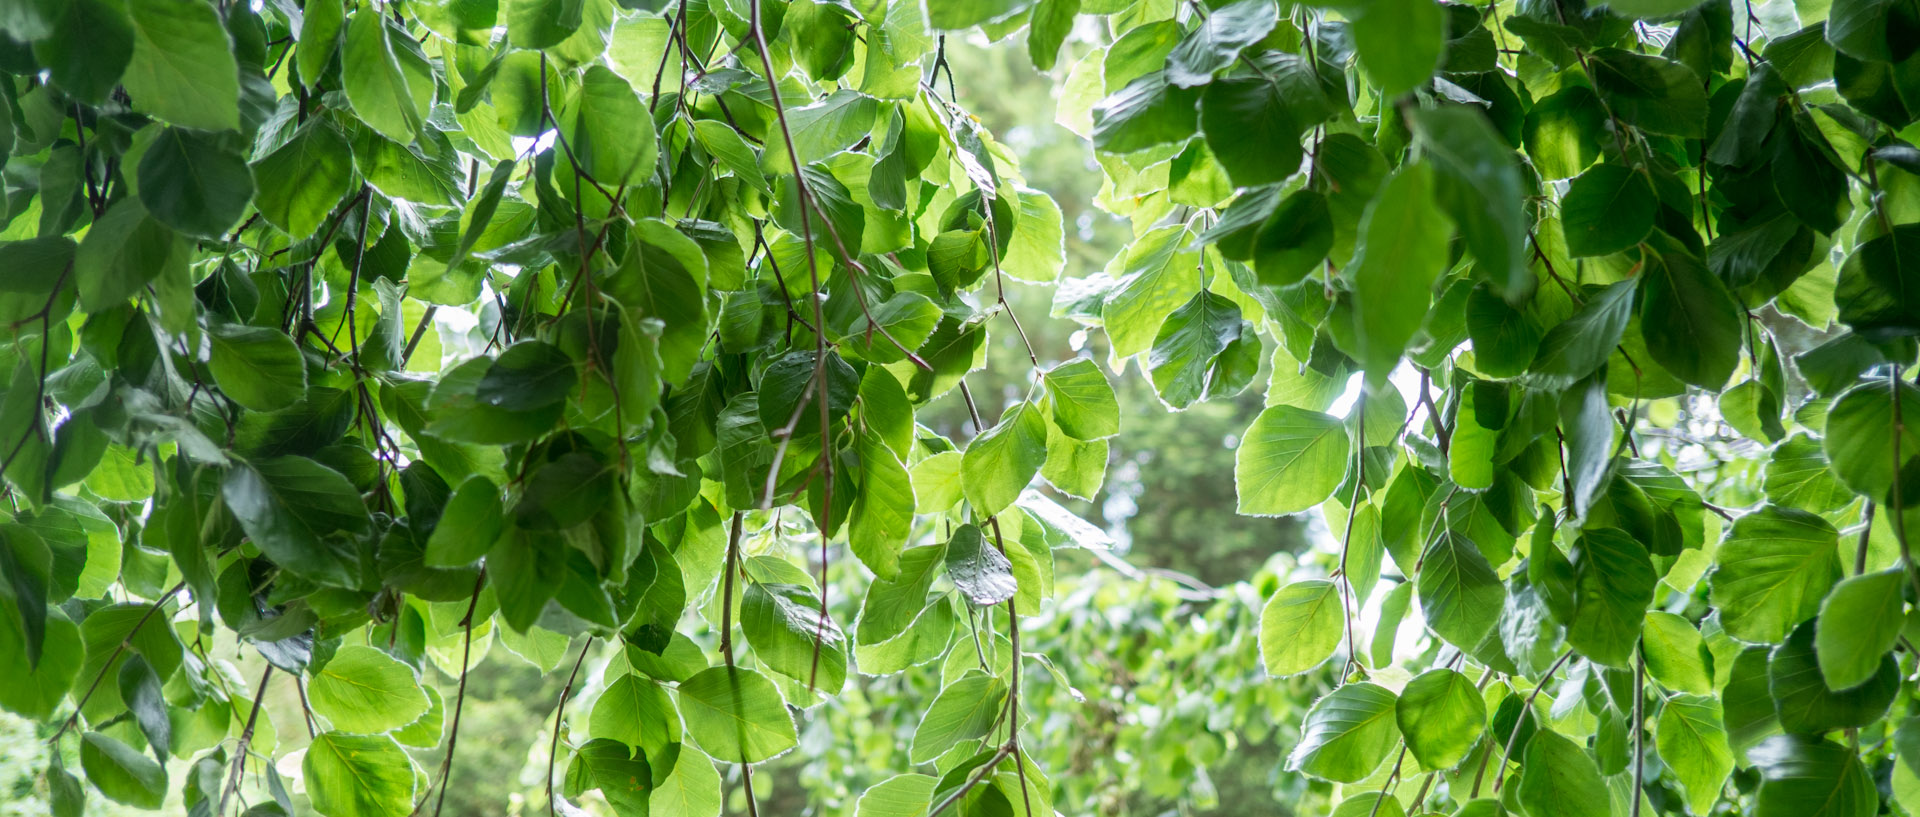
{"x":791,"y":385}
{"x":1614,"y":584}
{"x":529,"y":375}
{"x":1459,"y":592}
{"x":1300,"y":626}
{"x":1691,"y":323}
{"x":536,"y":24}
{"x":468,"y":526}
{"x":789,"y":634}
{"x":1806,"y":776}
{"x":190,"y":183}
{"x":35,"y":690}
{"x":1859,"y":623}
{"x":25,"y":565}
{"x":1293,"y":242}
{"x":736,"y":715}
{"x":1747,"y":701}
{"x":1000,"y":462}
{"x":978,"y":568}
{"x":1400,"y":43}
{"x":1402,"y":248}
{"x":965,"y":710}
{"x":1577,"y":346}
{"x":66,"y":797}
{"x":1370,"y":804}
{"x":1876,"y":292}
{"x":320,"y":28}
{"x":1251,"y":129}
{"x":386,"y":79}
{"x":1149,"y":111}
{"x":429,"y":729}
{"x":1772,"y":572}
{"x":1037,"y":251}
{"x":1157,"y":275}
{"x":1191,"y":357}
{"x":1076,"y":468}
{"x":1676,"y":656}
{"x":1693,"y":743}
{"x":822,"y":129}
{"x":1470,"y":460}
{"x":969,"y":13}
{"x":1805,"y":703}
{"x":1655,"y":94}
{"x":123,"y":251}
{"x":732,"y":152}
{"x":423,"y":173}
{"x":121,"y":773}
{"x":609,"y":130}
{"x":182,"y":69}
{"x":1442,"y":715}
{"x":91,"y":45}
{"x":692,"y":789}
{"x":1606,"y":210}
{"x":362,"y":690}
{"x":881,"y":519}
{"x":301,"y":181}
{"x":358,"y":776}
{"x":1649,"y":10}
{"x":621,"y":775}
{"x":1346,"y":734}
{"x":664,"y":276}
{"x":1798,"y":477}
{"x":1289,"y":460}
{"x":1219,"y":39}
{"x":140,"y":689}
{"x":902,"y":795}
{"x":1864,"y":30}
{"x":1861,"y":435}
{"x":1559,"y":779}
{"x":891,"y":605}
{"x":259,"y":368}
{"x":637,"y":712}
{"x":1479,"y":185}
{"x":1082,"y":400}
{"x":292,"y":507}
{"x":1052,"y":22}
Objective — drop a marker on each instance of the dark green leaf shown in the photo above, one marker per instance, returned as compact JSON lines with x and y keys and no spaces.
{"x":1608,"y":209}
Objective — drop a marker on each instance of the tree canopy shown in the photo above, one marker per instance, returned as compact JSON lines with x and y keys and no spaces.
{"x":359,"y":335}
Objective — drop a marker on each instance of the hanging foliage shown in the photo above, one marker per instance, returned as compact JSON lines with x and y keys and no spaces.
{"x":362,"y":334}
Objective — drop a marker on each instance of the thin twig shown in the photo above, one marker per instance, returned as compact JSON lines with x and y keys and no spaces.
{"x":459,"y":699}
{"x":560,"y":713}
{"x":1500,"y":777}
{"x":978,"y":775}
{"x":726,"y":636}
{"x":246,"y":739}
{"x":1639,"y":722}
{"x":126,"y":642}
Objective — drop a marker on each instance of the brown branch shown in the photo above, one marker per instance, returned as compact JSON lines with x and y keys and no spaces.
{"x":978,"y":775}
{"x":459,"y":700}
{"x":726,"y":637}
{"x":246,"y":739}
{"x":1348,"y":591}
{"x":559,"y":713}
{"x":1513,"y":737}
